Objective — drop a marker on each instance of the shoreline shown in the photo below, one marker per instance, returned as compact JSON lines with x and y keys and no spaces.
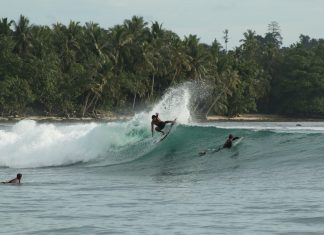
{"x":211,"y":118}
{"x":110,"y":118}
{"x":262,"y":118}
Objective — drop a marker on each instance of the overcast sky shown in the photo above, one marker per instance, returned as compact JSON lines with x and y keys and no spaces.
{"x":205,"y":18}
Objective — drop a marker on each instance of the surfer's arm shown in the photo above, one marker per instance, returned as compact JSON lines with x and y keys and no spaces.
{"x":157,"y":117}
{"x":235,"y":138}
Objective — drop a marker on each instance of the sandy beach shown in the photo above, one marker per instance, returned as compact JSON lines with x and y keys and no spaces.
{"x":261,"y":118}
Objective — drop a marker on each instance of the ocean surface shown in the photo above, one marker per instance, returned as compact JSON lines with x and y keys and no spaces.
{"x":114,"y":178}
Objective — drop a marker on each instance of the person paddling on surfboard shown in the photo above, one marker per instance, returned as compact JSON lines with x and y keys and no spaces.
{"x":229,"y":142}
{"x":15,"y":180}
{"x":158,"y":123}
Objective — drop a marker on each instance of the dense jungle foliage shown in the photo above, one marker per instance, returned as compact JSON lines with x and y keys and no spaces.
{"x":78,"y":70}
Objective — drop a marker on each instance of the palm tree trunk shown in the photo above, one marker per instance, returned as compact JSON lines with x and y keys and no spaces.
{"x":92,"y":100}
{"x":94,"y":107}
{"x":88,"y":104}
{"x":174,"y":76}
{"x":212,"y":105}
{"x":85,"y":104}
{"x":134,"y":101}
{"x":152,"y":87}
{"x":196,"y":107}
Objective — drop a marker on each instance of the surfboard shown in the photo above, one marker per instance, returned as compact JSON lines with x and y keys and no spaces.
{"x":237,"y":141}
{"x":166,"y":134}
{"x":202,"y":153}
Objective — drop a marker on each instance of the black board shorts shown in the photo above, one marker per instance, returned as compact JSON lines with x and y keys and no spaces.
{"x":161,"y":125}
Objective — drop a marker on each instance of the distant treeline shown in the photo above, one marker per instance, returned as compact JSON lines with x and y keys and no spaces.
{"x":79,"y":69}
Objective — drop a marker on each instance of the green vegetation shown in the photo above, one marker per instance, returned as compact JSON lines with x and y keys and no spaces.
{"x":76,"y":70}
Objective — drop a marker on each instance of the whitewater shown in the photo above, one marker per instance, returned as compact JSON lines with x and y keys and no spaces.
{"x":114,"y":178}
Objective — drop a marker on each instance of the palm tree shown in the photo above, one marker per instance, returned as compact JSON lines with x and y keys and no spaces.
{"x":41,"y":37}
{"x":96,"y":39}
{"x":119,"y":40}
{"x":250,"y":43}
{"x":5,"y":27}
{"x":22,"y":36}
{"x":94,"y":93}
{"x":135,"y":60}
{"x":67,"y":42}
{"x":215,"y":50}
{"x":179,"y":62}
{"x":136,"y":26}
{"x":198,"y":57}
{"x":156,"y":30}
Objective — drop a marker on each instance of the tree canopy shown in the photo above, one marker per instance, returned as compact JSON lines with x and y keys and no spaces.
{"x":78,"y":70}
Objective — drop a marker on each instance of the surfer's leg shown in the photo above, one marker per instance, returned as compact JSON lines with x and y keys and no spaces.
{"x":161,"y":125}
{"x":159,"y":130}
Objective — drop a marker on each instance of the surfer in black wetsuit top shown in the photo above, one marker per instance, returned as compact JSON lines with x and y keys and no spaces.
{"x":229,"y":142}
{"x":15,"y":180}
{"x":158,"y":123}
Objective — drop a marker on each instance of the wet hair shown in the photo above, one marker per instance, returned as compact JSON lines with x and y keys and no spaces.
{"x":153,"y":116}
{"x":230,"y":136}
{"x":19,"y":176}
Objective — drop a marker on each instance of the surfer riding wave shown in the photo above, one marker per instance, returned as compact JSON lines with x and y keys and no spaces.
{"x":159,"y":124}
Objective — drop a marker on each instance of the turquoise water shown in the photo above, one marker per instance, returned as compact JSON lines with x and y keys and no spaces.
{"x":111,"y":178}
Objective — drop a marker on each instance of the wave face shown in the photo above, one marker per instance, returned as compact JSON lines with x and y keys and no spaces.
{"x":28,"y":144}
{"x":129,"y":144}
